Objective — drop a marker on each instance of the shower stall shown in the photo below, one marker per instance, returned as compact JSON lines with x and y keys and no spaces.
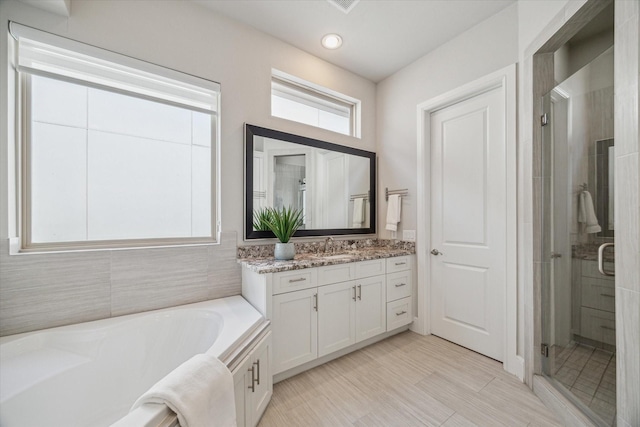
{"x":578,"y":285}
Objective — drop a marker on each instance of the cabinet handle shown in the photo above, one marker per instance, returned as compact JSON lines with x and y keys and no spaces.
{"x":315,"y":302}
{"x":400,"y":284}
{"x":258,"y":375}
{"x":354,"y":292}
{"x":253,"y":380}
{"x":607,"y":295}
{"x":301,"y":279}
{"x":360,"y":292}
{"x":400,"y":263}
{"x":401,"y":313}
{"x":609,"y":328}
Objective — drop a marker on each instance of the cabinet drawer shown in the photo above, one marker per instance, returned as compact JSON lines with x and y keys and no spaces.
{"x":399,"y":285}
{"x":599,"y":294}
{"x":399,"y":313}
{"x":336,"y":273}
{"x":399,"y":263}
{"x":288,"y":281}
{"x":598,"y":325}
{"x":370,"y":268}
{"x":590,"y":269}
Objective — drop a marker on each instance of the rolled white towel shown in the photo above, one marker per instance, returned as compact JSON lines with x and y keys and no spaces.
{"x":200,"y":392}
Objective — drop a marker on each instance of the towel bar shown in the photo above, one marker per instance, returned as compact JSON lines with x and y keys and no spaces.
{"x":387,"y":192}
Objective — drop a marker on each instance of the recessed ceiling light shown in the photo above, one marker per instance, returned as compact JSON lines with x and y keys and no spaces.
{"x":332,"y":41}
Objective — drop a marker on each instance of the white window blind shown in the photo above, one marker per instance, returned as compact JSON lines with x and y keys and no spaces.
{"x":48,"y":55}
{"x":117,"y":152}
{"x":310,"y":98}
{"x":304,"y":102}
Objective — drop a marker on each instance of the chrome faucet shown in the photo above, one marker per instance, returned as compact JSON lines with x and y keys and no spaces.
{"x":328,"y":243}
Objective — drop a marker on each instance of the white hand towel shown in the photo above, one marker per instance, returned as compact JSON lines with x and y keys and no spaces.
{"x":586,"y":213}
{"x":200,"y":392}
{"x":394,"y":210}
{"x":358,"y":212}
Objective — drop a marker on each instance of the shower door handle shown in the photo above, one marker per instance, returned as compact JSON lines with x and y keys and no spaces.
{"x":601,"y":259}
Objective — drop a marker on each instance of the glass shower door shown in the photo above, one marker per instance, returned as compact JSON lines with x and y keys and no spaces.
{"x":578,"y":303}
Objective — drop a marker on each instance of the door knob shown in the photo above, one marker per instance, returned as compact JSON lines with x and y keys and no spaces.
{"x":436,"y":252}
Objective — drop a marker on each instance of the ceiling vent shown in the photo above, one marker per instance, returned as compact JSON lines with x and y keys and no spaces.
{"x":344,"y":5}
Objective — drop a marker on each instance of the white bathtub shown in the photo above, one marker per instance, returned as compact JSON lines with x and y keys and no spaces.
{"x":90,"y":374}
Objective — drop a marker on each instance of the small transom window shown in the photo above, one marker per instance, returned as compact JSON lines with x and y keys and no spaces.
{"x":303,"y":102}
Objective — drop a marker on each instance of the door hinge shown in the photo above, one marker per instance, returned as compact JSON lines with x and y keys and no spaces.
{"x":544,"y":119}
{"x":544,"y":350}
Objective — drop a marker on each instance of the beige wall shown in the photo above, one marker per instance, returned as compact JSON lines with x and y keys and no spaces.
{"x":38,"y":291}
{"x":487,"y":47}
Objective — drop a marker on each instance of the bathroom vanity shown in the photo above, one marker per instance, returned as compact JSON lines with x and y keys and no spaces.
{"x":323,"y":306}
{"x":593,"y":297}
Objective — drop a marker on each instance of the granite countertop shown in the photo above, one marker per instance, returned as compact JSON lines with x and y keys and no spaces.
{"x":308,"y":260}
{"x":589,"y":252}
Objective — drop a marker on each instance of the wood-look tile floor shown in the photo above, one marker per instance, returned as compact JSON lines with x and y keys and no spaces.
{"x":407,"y":380}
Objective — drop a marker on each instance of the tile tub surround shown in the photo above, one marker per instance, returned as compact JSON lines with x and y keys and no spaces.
{"x":39,"y":291}
{"x":260,"y":258}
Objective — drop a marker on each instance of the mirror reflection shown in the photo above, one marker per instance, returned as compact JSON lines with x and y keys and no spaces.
{"x":604,"y":172}
{"x":331,"y":184}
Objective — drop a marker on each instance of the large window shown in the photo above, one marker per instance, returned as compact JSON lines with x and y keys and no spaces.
{"x":116,"y":152}
{"x":303,"y":102}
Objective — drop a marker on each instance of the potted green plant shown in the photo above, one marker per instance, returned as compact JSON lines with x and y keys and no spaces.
{"x":283,"y":223}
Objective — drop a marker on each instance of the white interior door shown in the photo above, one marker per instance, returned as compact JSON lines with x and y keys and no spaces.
{"x":468,"y":223}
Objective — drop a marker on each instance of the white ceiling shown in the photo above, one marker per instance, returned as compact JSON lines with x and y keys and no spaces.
{"x":380,"y":36}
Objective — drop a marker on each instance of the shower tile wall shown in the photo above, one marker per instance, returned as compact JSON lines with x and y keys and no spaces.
{"x":43,"y":291}
{"x":596,"y":109}
{"x":627,"y":78}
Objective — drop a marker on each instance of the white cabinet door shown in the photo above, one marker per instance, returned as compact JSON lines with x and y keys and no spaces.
{"x":253,"y":383}
{"x":371,"y":307}
{"x":260,"y":382}
{"x":336,"y":317}
{"x":241,"y":381}
{"x":295,"y":329}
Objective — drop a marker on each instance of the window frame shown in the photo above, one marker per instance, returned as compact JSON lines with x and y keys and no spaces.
{"x":307,"y":93}
{"x":23,"y":165}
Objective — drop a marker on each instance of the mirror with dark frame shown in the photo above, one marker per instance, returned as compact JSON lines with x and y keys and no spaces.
{"x":604,"y":168}
{"x":333,"y":185}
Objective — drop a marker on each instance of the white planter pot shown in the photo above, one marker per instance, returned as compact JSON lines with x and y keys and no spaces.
{"x":284,"y":251}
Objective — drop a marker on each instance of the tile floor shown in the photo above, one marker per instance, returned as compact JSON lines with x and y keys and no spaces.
{"x":590,"y":374}
{"x":407,"y":380}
